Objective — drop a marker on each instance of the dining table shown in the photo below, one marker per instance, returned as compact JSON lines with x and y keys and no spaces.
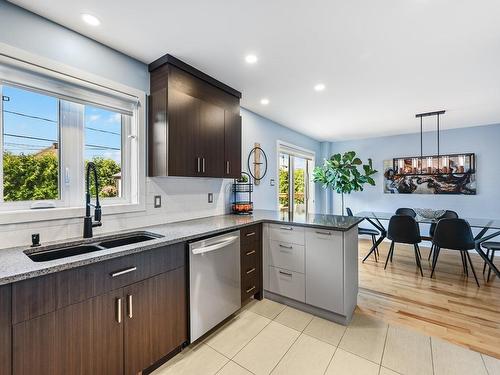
{"x":483,"y":225}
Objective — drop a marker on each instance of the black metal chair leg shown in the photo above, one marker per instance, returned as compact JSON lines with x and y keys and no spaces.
{"x":434,"y":261}
{"x":417,"y":258}
{"x":392,"y":253}
{"x":375,"y":252}
{"x":418,"y":250}
{"x":430,"y":252}
{"x":391,"y":249}
{"x":464,"y":265}
{"x":472,"y":268}
{"x":487,"y":255}
{"x":491,"y":260}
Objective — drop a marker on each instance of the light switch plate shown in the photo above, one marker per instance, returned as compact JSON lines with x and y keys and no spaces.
{"x":157,"y":201}
{"x":210,"y":197}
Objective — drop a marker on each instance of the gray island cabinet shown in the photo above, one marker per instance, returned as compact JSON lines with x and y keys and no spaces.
{"x":312,"y":269}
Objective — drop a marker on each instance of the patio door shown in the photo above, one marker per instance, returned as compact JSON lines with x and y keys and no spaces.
{"x":295,"y":190}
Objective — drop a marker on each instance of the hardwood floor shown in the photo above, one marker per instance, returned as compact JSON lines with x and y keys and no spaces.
{"x":450,"y":305}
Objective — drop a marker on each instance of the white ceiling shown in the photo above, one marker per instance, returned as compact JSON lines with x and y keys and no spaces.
{"x":381,"y":61}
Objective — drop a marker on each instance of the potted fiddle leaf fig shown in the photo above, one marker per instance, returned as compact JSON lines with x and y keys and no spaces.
{"x":341,"y":173}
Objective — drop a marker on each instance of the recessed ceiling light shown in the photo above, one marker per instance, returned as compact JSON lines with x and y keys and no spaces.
{"x":319,"y":87}
{"x":90,"y":19}
{"x":251,"y":59}
{"x":264,"y":101}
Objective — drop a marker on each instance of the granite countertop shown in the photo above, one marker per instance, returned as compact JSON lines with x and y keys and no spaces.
{"x":16,"y":266}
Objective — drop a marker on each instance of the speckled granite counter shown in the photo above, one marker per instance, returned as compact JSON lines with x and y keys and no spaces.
{"x":16,"y":266}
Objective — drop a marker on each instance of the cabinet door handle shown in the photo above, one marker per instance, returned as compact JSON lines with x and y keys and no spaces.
{"x":227,"y":167}
{"x":286,"y":273}
{"x":250,"y":289}
{"x":119,"y":310}
{"x":250,"y":271}
{"x":203,"y":165}
{"x":250,"y":234}
{"x":123,"y":272}
{"x":250,"y":252}
{"x":130,"y":312}
{"x":286,"y":247}
{"x":324,"y":233}
{"x":198,"y":161}
{"x":286,"y":228}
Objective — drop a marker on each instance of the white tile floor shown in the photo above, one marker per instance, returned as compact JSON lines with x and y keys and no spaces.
{"x":269,"y":338}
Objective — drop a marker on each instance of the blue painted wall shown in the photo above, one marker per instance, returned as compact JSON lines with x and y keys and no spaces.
{"x":482,"y":140}
{"x":30,"y":32}
{"x":259,"y":129}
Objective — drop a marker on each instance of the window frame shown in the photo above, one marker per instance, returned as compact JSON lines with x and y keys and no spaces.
{"x":71,"y":196}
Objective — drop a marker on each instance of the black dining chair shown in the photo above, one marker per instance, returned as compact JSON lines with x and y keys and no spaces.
{"x":448,"y":214}
{"x":367,"y":231}
{"x":490,"y":247}
{"x":454,"y":234}
{"x":406,"y":211}
{"x":404,"y":229}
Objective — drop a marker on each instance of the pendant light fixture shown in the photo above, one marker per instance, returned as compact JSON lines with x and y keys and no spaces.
{"x":434,"y":164}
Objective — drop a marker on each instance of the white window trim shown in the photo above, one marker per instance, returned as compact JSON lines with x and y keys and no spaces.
{"x":294,"y":150}
{"x":48,"y":69}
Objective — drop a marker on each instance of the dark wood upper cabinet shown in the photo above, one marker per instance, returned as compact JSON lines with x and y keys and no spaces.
{"x":232,"y":153}
{"x":194,"y":123}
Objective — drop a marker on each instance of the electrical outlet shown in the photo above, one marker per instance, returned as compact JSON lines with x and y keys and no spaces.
{"x":210,"y":197}
{"x":271,"y":182}
{"x":157,"y":201}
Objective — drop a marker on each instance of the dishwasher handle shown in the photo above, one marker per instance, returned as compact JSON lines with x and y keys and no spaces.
{"x":215,"y":246}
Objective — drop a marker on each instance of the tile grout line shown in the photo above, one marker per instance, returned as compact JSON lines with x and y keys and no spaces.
{"x":283,"y":356}
{"x":432,"y":356}
{"x":484,"y":363}
{"x":335,"y":351}
{"x":385,"y":345}
{"x":300,"y":334}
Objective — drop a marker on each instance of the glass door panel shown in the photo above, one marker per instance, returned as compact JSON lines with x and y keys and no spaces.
{"x":284,"y":184}
{"x":300,"y":176}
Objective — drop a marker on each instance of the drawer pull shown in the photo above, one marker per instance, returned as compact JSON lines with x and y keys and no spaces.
{"x":250,"y":289}
{"x":123,"y":272}
{"x":286,"y":228}
{"x":286,"y":247}
{"x":250,"y":252}
{"x":286,"y":273}
{"x":250,"y":271}
{"x":130,"y":312}
{"x":119,"y":310}
{"x":250,"y":234}
{"x":324,"y":233}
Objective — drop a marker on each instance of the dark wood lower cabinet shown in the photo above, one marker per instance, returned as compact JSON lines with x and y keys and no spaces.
{"x":5,"y":330}
{"x":122,"y":331}
{"x":251,"y":262}
{"x":155,"y":319}
{"x":84,"y":338}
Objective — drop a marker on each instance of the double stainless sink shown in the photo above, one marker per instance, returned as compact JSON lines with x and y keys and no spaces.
{"x":68,"y":251}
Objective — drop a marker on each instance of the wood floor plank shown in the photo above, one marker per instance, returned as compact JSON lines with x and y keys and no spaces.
{"x":449,"y":306}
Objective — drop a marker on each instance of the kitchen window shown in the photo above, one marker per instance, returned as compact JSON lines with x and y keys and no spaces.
{"x":31,"y":160}
{"x":50,"y":131}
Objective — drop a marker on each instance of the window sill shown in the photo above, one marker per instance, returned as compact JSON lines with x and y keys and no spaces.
{"x":49,"y":214}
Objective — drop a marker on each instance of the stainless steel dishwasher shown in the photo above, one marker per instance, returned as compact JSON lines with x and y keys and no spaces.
{"x":214,"y":281}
